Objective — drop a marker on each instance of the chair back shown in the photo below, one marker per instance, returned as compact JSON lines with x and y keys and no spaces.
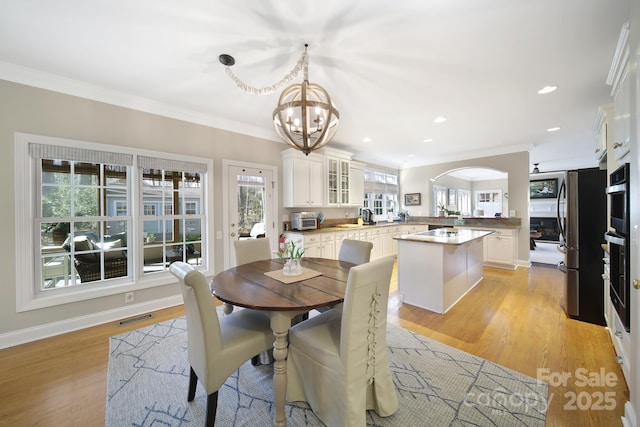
{"x":204,"y":339}
{"x":355,"y":251}
{"x":363,"y":336}
{"x":249,"y":250}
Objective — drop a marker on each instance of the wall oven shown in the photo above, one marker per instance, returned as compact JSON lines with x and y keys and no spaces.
{"x":618,"y":239}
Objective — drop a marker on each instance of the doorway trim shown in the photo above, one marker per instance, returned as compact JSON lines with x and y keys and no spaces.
{"x":272,"y":230}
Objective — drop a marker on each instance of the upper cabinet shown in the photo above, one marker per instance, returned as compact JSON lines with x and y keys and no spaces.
{"x":338,"y":173}
{"x":603,"y":128}
{"x":620,"y":88}
{"x":356,"y":184}
{"x":326,"y":177}
{"x":303,"y":178}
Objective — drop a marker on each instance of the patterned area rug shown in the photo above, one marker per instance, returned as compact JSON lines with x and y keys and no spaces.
{"x":437,"y":385}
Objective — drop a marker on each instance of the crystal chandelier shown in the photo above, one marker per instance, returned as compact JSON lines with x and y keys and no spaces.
{"x":305,"y":116}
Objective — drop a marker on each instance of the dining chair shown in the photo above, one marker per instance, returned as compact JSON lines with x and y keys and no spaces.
{"x":216,"y":347}
{"x":250,"y":250}
{"x":353,"y":251}
{"x":338,"y":361}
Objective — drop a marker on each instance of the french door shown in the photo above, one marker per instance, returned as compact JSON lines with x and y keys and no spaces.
{"x":250,"y":205}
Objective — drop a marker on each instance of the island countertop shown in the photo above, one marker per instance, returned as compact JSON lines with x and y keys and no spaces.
{"x":445,"y":236}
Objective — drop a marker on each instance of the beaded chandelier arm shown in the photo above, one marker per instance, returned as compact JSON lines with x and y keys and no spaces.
{"x":303,"y":62}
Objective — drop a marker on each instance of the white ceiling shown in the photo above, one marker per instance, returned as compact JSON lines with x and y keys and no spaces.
{"x":390,"y":66}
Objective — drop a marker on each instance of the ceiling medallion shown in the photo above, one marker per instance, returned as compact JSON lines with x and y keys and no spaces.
{"x":305,"y":116}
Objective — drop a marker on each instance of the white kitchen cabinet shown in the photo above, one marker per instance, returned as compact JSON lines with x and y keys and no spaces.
{"x":389,"y":245}
{"x":500,"y":249}
{"x":375,"y":237}
{"x":327,"y":245}
{"x":601,"y":127}
{"x":303,"y":178}
{"x":356,"y":184}
{"x":620,"y":338}
{"x":337,"y":243}
{"x":620,"y":90}
{"x":313,"y":246}
{"x":622,"y":119}
{"x":338,"y":173}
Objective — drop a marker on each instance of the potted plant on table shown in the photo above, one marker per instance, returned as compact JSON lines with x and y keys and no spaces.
{"x":441,"y":209}
{"x":292,"y":254}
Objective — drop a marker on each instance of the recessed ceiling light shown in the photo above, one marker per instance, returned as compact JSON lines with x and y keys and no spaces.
{"x":547,"y":89}
{"x":439,"y":119}
{"x":366,"y":139}
{"x":428,"y":140}
{"x":553,"y":129}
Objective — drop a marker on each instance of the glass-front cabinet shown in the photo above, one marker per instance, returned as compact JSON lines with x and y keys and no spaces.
{"x":338,"y":174}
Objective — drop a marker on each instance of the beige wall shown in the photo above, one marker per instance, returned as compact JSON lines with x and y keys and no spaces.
{"x":418,"y":180}
{"x":31,"y":110}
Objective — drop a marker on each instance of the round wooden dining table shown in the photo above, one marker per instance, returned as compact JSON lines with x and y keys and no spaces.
{"x":251,"y":286}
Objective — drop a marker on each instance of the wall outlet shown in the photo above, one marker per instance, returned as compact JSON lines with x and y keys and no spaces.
{"x":128,"y":298}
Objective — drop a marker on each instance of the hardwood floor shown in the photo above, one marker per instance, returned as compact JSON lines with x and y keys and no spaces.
{"x":513,"y":318}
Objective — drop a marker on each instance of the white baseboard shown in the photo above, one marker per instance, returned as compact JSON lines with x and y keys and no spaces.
{"x":39,"y":332}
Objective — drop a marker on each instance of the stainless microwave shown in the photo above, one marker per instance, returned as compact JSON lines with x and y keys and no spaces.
{"x":304,"y":220}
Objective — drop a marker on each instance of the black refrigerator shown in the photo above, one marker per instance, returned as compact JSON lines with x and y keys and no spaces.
{"x":582,"y":227}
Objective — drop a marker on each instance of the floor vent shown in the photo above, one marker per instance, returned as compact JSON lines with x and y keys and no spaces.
{"x":135,"y":319}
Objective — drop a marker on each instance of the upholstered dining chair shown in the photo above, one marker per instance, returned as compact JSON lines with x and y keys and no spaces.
{"x":338,"y":361}
{"x":353,"y":251}
{"x":216,"y":347}
{"x":250,"y":250}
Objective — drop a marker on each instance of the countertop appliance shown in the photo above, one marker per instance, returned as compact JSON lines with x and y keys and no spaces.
{"x":618,"y":239}
{"x":304,"y":221}
{"x":583,"y":234}
{"x":367,"y":216}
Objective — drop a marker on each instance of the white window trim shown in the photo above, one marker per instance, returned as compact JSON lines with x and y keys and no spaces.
{"x":26,"y":251}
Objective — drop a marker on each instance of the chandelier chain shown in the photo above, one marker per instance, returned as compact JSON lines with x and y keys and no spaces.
{"x":302,"y":64}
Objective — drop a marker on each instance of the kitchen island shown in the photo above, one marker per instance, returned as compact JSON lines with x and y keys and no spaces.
{"x":437,"y":268}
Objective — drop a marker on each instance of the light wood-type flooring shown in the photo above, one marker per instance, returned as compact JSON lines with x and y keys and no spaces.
{"x":513,"y":318}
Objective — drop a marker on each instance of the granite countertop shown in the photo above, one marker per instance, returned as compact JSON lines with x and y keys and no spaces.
{"x":435,"y":220}
{"x":446,"y":237}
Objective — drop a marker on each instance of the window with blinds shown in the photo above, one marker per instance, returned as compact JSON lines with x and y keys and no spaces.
{"x":103,"y":218}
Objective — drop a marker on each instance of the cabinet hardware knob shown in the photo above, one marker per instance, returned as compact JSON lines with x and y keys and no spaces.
{"x":618,"y":334}
{"x":636,"y":284}
{"x":619,"y":360}
{"x":233,"y":234}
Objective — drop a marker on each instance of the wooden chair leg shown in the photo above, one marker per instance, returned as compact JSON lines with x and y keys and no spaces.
{"x":193,"y":382}
{"x":212,"y":408}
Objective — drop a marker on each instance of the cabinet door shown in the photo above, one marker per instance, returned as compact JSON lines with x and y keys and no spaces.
{"x":301,"y":183}
{"x":622,"y":118}
{"x":356,"y":187}
{"x":337,"y":181}
{"x":499,"y":249}
{"x":376,"y":251}
{"x":315,"y":183}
